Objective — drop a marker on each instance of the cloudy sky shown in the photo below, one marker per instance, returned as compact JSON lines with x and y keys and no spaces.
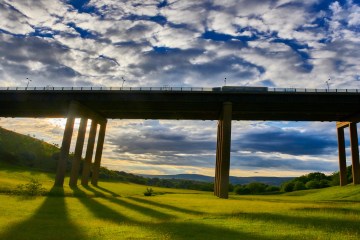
{"x":273,"y":43}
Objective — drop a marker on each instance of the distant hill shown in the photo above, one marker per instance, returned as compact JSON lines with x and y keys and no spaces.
{"x":274,"y":181}
{"x":23,"y":150}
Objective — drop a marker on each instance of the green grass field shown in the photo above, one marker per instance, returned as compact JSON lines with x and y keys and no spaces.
{"x":121,"y":211}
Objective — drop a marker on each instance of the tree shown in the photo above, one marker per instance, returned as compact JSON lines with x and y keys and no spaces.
{"x":256,"y":187}
{"x":324,"y":183}
{"x":287,"y":187}
{"x":241,"y":190}
{"x":272,"y":189}
{"x":313,"y":184}
{"x":299,"y":186}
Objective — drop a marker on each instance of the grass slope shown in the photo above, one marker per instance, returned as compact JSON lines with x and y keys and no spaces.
{"x":120,"y":211}
{"x":22,"y":150}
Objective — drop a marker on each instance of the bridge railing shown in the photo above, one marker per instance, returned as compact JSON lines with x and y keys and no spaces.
{"x":187,"y":89}
{"x":183,"y":89}
{"x":311,"y":90}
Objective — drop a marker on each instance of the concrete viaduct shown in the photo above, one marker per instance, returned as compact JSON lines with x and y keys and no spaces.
{"x":222,"y":104}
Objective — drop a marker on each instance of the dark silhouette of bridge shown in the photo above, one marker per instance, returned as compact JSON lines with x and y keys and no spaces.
{"x":223,"y":104}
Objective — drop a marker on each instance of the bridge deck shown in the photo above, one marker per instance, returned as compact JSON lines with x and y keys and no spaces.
{"x":184,"y":104}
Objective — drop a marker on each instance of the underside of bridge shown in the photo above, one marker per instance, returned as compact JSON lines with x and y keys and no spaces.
{"x":222,"y":166}
{"x":98,"y":106}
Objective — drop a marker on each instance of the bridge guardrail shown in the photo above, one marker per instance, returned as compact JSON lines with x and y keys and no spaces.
{"x":183,"y":89}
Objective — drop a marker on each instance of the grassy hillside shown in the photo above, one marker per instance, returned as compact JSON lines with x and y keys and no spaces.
{"x":347,"y":193}
{"x":120,"y":211}
{"x":22,"y":150}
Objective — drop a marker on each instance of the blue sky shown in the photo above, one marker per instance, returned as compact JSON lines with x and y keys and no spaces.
{"x":274,"y":43}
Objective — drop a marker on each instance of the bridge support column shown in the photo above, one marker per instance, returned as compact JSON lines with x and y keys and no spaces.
{"x":89,"y":154}
{"x":99,"y":149}
{"x":342,"y":156}
{"x":221,"y":185}
{"x":65,"y":148}
{"x":218,"y":157}
{"x":78,"y":152}
{"x":355,"y":153}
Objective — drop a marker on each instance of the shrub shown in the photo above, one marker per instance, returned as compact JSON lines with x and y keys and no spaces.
{"x":299,"y":186}
{"x":256,"y":187}
{"x":313,"y":184}
{"x":148,"y":192}
{"x":324,"y":183}
{"x":241,"y":190}
{"x":31,"y":189}
{"x":288,"y":187}
{"x":272,"y":189}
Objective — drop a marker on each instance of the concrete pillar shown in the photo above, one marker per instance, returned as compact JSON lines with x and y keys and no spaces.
{"x":89,"y":154}
{"x":65,"y":147}
{"x":342,"y":156}
{"x":218,"y":158}
{"x":99,"y":149}
{"x":78,"y":152}
{"x":355,"y":153}
{"x":225,"y":150}
{"x":221,"y":184}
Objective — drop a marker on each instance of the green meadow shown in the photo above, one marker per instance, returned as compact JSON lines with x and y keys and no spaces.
{"x":117,"y":210}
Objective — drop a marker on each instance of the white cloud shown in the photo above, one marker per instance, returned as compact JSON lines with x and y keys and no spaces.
{"x":191,"y":13}
{"x":13,"y":21}
{"x":174,"y":38}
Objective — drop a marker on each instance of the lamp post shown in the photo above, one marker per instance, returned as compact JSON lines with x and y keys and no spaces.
{"x":327,"y":84}
{"x":29,"y":80}
{"x":122,"y":85}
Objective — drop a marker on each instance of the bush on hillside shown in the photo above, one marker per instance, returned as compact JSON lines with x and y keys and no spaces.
{"x":255,"y":188}
{"x":311,"y":181}
{"x":299,"y":186}
{"x":241,"y":190}
{"x":288,"y":187}
{"x":272,"y":189}
{"x":31,"y":189}
{"x":148,"y":192}
{"x":313,"y":184}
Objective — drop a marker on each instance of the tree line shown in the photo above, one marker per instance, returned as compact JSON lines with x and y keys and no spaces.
{"x":107,"y":174}
{"x":313,"y":180}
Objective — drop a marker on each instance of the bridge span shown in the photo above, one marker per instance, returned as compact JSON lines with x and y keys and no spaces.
{"x":222,"y":104}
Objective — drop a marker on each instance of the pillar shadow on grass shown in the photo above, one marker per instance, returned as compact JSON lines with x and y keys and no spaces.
{"x":168,"y":227}
{"x":140,"y":209}
{"x":94,"y":191}
{"x":50,"y":221}
{"x":166,"y":206}
{"x":107,"y":190}
{"x":99,"y":210}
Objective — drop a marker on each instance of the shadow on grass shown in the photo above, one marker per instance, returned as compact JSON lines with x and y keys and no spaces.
{"x":143,"y":210}
{"x":94,"y":191}
{"x":166,"y":227}
{"x":50,"y":221}
{"x":166,"y":206}
{"x":325,"y":223}
{"x":99,"y":210}
{"x":107,"y":191}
